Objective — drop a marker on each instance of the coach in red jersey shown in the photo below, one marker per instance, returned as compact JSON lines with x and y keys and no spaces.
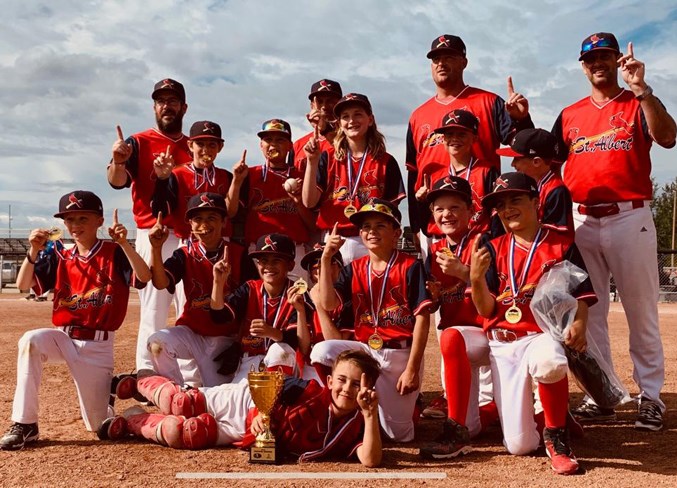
{"x":608,"y":137}
{"x":324,"y":95}
{"x":498,"y":118}
{"x":133,"y":165}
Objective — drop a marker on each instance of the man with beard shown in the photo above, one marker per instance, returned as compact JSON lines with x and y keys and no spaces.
{"x":132,"y":166}
{"x":607,"y":138}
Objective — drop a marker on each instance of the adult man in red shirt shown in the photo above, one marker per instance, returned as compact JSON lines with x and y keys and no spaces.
{"x":608,"y":136}
{"x":133,"y":165}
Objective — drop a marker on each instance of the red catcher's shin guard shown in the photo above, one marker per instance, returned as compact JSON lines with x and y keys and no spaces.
{"x":189,"y":403}
{"x":159,"y":390}
{"x":456,"y":374}
{"x":158,"y":428}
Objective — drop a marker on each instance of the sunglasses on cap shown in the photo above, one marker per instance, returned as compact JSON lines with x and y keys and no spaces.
{"x":604,"y":42}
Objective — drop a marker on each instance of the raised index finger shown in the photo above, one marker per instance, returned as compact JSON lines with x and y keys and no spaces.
{"x":115,"y":216}
{"x":316,"y":132}
{"x":511,"y":88}
{"x":476,"y":244}
{"x":334,"y":231}
{"x":167,"y":152}
{"x":630,"y":50}
{"x":225,"y":253}
{"x":159,"y":218}
{"x":363,"y":381}
{"x":244,"y":155}
{"x":120,"y":136}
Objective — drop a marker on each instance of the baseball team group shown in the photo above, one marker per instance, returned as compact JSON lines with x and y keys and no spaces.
{"x":293,"y":266}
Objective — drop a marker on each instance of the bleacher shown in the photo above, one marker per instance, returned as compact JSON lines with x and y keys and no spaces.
{"x":12,"y":248}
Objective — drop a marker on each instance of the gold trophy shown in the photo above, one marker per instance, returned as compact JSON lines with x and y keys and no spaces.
{"x":265,"y":388}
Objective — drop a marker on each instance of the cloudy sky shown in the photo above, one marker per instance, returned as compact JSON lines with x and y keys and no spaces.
{"x":71,"y":70}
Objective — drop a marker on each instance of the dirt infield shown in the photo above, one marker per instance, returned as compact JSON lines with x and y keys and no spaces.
{"x":611,"y":454}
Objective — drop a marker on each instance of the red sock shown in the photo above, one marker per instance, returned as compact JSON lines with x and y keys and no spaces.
{"x":488,"y":414}
{"x":555,"y":400}
{"x":456,"y":374}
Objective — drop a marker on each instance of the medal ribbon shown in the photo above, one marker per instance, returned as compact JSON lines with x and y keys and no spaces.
{"x":264,"y":172}
{"x":375,"y":311}
{"x":283,"y":297}
{"x":353,"y":183}
{"x":527,"y":264}
{"x":452,"y":170}
{"x":460,"y":245}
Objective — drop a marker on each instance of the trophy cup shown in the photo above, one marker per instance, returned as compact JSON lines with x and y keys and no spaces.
{"x":265,"y":388}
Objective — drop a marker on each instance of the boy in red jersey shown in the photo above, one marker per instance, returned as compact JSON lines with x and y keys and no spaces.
{"x":271,"y":192}
{"x":459,"y":128}
{"x":533,"y":152}
{"x":91,"y":290}
{"x":338,"y":422}
{"x":176,"y":185}
{"x":390,"y":312}
{"x":195,"y":337}
{"x":324,"y":95}
{"x":133,"y":165}
{"x":463,"y":343}
{"x":338,"y":182}
{"x":504,"y":275}
{"x":267,"y":311}
{"x":337,"y":324}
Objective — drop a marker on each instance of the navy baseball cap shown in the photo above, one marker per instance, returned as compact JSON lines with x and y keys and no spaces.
{"x":450,"y":185}
{"x":352,"y":99}
{"x":278,"y":245}
{"x":205,"y":129}
{"x":169,"y":85}
{"x":275,"y":126}
{"x":313,"y":256}
{"x":377,"y":206}
{"x":206,"y":201}
{"x":531,"y":143}
{"x":459,"y":119}
{"x":79,"y":201}
{"x":325,"y":86}
{"x":446,"y":44}
{"x":510,"y":183}
{"x":599,"y":41}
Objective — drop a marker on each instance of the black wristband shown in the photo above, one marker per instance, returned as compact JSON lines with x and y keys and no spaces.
{"x":28,"y":257}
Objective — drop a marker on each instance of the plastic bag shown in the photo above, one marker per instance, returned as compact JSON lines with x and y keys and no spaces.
{"x":554,"y":308}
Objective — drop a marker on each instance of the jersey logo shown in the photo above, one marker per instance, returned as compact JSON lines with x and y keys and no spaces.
{"x":324,"y":85}
{"x":500,"y":183}
{"x":618,"y":138}
{"x":442,"y":42}
{"x":167,"y":84}
{"x":269,"y":244}
{"x":209,"y":128}
{"x":268,"y":206}
{"x":74,"y":201}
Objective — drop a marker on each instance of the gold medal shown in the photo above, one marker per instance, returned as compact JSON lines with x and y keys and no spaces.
{"x":375,"y":341}
{"x":301,"y":286}
{"x":447,"y":252}
{"x":349,"y":210}
{"x":513,"y":314}
{"x":273,"y":154}
{"x":54,"y":234}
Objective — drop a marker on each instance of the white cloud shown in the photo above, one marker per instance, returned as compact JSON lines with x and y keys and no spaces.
{"x":73,"y":70}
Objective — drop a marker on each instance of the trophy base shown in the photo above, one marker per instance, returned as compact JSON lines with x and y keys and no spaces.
{"x":263,"y":455}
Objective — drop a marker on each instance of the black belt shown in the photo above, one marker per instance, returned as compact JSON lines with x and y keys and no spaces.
{"x":606,"y":210}
{"x":401,"y":344}
{"x":85,"y":333}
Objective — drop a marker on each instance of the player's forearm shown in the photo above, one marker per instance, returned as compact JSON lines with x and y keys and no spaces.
{"x":310,"y":194}
{"x":159,"y":275}
{"x":328,"y":299}
{"x":139,"y":266}
{"x":582,"y":314}
{"x":370,"y":452}
{"x":481,"y":297}
{"x":117,"y":174}
{"x":233,"y":198}
{"x":661,"y":125}
{"x":419,"y":341}
{"x":217,"y":300}
{"x":329,"y":330}
{"x":302,"y":333}
{"x":26,"y":277}
{"x":307,"y":217}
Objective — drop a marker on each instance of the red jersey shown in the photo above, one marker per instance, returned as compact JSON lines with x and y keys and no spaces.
{"x":456,"y":305}
{"x":305,"y":426}
{"x":555,"y":207}
{"x":380,"y":178}
{"x":146,"y":146}
{"x":250,"y":301}
{"x":608,"y":150}
{"x":481,"y":177}
{"x":553,"y":247}
{"x":194,"y":265}
{"x":171,"y":195}
{"x":424,"y":147}
{"x":89,"y":291}
{"x":300,"y":156}
{"x":269,"y":207}
{"x":341,"y":317}
{"x":401,"y":297}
